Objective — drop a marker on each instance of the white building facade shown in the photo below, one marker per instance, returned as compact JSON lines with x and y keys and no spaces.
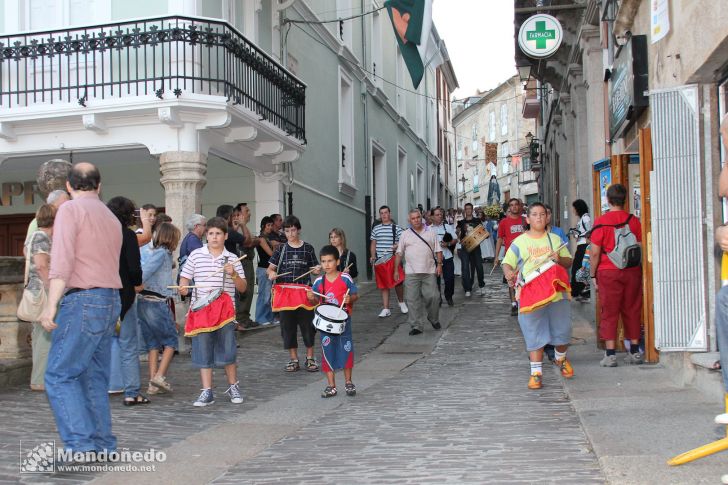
{"x":190,"y":104}
{"x":491,"y":137}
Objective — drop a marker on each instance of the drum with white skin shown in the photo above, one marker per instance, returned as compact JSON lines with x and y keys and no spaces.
{"x":330,"y":319}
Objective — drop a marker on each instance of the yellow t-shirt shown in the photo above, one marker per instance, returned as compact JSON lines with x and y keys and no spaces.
{"x":528,"y":248}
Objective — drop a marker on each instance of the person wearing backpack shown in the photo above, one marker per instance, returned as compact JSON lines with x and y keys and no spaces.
{"x":617,"y":273}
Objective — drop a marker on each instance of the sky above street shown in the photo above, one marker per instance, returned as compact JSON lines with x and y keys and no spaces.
{"x":479,"y":39}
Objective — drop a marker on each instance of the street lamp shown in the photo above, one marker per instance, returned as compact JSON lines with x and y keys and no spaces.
{"x":529,"y":138}
{"x":524,"y":69}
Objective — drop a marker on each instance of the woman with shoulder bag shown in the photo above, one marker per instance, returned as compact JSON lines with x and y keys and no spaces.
{"x":38,"y":262}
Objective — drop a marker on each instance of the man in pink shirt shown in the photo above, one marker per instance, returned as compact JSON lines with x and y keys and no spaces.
{"x":423,"y":264}
{"x":84,"y":277}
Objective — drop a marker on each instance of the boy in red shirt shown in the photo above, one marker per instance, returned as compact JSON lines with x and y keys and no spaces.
{"x":509,"y":228}
{"x":620,"y":290}
{"x":337,"y":350}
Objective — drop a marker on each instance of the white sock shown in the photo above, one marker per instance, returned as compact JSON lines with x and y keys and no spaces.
{"x":513,"y":303}
{"x":536,"y":368}
{"x":559,"y":355}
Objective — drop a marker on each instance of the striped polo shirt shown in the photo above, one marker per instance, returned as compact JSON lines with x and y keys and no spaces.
{"x":386,"y":238}
{"x":201,"y":265}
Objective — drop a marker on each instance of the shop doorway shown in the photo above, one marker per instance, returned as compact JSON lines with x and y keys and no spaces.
{"x":13,"y":229}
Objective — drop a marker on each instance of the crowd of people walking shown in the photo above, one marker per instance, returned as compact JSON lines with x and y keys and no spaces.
{"x":105,"y":282}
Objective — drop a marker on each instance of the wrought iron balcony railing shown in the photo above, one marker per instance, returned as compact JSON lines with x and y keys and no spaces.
{"x":150,"y":56}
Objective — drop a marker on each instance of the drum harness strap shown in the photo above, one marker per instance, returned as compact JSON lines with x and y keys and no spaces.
{"x":521,"y":276}
{"x":224,"y":262}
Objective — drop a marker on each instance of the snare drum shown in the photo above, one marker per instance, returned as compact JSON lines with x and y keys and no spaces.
{"x":384,"y":272}
{"x":542,"y":286}
{"x":330,"y":319}
{"x":210,"y":312}
{"x":290,"y":296}
{"x":206,"y":300}
{"x":474,"y":238}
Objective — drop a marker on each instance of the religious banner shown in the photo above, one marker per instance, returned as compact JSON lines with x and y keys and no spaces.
{"x":491,"y":153}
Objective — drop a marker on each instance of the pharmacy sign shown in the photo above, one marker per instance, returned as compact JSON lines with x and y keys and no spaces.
{"x":540,"y":36}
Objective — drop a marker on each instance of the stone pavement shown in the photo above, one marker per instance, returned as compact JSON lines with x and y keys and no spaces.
{"x":442,"y":407}
{"x":637,"y":417}
{"x":170,"y":419}
{"x":462,"y":414}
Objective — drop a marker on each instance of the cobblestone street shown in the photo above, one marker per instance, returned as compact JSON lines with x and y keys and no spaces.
{"x":458,"y":414}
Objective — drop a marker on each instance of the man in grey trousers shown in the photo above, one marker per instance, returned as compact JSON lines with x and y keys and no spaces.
{"x":423,"y":264}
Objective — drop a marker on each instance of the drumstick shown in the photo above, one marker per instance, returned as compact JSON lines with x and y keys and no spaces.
{"x":223,"y":266}
{"x":282,"y":274}
{"x":344,"y":299}
{"x":319,"y":294}
{"x":540,"y":261}
{"x":491,"y":271}
{"x":305,"y":274}
{"x":189,"y":286}
{"x":346,"y":270}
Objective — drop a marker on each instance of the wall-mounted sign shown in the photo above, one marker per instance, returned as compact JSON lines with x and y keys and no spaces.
{"x":540,"y":36}
{"x":627,"y":85}
{"x":659,"y":19}
{"x":605,"y":180}
{"x":10,"y":190}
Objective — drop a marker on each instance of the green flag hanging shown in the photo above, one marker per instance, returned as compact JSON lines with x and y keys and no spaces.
{"x":412,"y":22}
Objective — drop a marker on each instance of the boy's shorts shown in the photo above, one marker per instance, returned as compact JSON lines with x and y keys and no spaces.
{"x":337,"y":350}
{"x":549,"y":325}
{"x":215,"y":349}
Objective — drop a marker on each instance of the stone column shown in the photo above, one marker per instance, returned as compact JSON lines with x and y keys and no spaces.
{"x":183,"y":177}
{"x":582,"y":165}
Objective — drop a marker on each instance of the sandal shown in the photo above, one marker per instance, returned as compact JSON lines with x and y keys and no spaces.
{"x":350,"y":389}
{"x":328,"y":392}
{"x":311,"y":364}
{"x":292,"y":366}
{"x":140,"y":399}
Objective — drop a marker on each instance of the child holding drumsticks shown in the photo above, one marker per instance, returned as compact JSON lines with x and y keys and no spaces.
{"x":550,"y":320}
{"x":337,"y":350}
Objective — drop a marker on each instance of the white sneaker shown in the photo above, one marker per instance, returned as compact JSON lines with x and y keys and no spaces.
{"x":403,"y":307}
{"x":467,"y":294}
{"x":481,"y":292}
{"x":384,"y":313}
{"x":721,"y":419}
{"x":724,"y":479}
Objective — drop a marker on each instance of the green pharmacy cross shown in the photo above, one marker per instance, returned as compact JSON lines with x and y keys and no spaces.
{"x":541,"y":35}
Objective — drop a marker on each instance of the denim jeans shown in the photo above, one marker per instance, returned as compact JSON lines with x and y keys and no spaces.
{"x":721,"y":331}
{"x":129,"y":347}
{"x":158,"y":327}
{"x":77,"y":377}
{"x":263,"y":312}
{"x":471,"y":263}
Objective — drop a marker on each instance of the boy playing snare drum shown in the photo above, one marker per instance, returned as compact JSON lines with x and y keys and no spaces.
{"x":337,"y":350}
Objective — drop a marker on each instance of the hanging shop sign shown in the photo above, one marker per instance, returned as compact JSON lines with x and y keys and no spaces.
{"x":627,"y":85}
{"x":540,"y":36}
